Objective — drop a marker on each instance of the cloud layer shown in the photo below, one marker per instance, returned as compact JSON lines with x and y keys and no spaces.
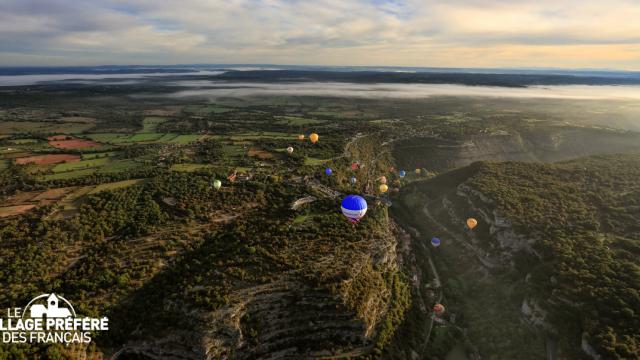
{"x":455,"y":33}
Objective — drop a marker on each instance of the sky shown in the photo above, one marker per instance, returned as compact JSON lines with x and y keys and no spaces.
{"x":594,"y":34}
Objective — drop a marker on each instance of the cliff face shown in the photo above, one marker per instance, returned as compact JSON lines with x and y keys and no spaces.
{"x":481,"y":264}
{"x":331,"y":311}
{"x":545,"y":144}
{"x":549,"y":242}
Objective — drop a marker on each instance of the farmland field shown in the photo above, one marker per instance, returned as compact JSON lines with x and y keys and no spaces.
{"x":25,"y":127}
{"x":48,"y":159}
{"x":82,"y":164}
{"x":150,"y":124}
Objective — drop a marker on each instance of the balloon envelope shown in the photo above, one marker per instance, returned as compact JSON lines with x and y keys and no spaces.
{"x":418,"y":171}
{"x":216,"y":184}
{"x":471,"y":223}
{"x":355,"y":166}
{"x":402,"y":173}
{"x":354,"y":207}
{"x":353,"y":180}
{"x":435,"y":242}
{"x":384,"y":188}
{"x":314,"y":138}
{"x":328,"y":171}
{"x":289,"y":149}
{"x":438,"y":308}
{"x":300,"y":137}
{"x":383,"y":179}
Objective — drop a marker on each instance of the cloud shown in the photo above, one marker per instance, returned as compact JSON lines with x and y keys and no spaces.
{"x":333,"y":32}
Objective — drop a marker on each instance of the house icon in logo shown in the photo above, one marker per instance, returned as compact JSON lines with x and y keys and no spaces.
{"x":51,"y":310}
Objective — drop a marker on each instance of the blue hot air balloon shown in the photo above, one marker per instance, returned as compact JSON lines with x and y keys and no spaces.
{"x":402,"y":173}
{"x":435,"y":242}
{"x":328,"y":171}
{"x":354,"y":207}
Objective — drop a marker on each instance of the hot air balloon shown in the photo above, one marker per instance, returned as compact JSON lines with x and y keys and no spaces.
{"x":300,"y":137}
{"x":355,"y":166}
{"x":383,"y":188}
{"x":314,"y":138}
{"x":328,"y":171}
{"x":382,"y":179}
{"x":354,"y":207}
{"x":216,"y":184}
{"x":290,"y":150}
{"x":392,"y":169}
{"x":402,"y":173}
{"x":438,"y":309}
{"x":418,"y":171}
{"x":435,"y":242}
{"x":471,"y":223}
{"x":353,"y":180}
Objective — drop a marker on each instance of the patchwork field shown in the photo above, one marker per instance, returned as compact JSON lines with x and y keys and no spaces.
{"x":24,"y":127}
{"x":67,"y":142}
{"x":47,"y":159}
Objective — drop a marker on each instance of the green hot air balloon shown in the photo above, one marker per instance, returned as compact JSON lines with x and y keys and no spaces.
{"x":216,"y":184}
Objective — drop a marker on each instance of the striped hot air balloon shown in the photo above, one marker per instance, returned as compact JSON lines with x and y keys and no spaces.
{"x":354,"y":207}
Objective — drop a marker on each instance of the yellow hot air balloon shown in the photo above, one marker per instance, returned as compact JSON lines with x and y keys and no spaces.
{"x":383,"y":188}
{"x":314,"y":138}
{"x":418,"y":171}
{"x":471,"y":223}
{"x":300,"y":137}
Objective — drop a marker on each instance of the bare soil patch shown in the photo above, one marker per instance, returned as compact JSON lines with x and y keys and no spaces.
{"x":47,"y":159}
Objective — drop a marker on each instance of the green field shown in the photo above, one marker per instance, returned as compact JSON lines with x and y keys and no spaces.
{"x":263,"y":135}
{"x":24,"y":141}
{"x":120,"y":166}
{"x":69,"y":174}
{"x":150,"y":124}
{"x":166,"y":138}
{"x":313,"y":161}
{"x":21,"y":127}
{"x":145,"y":137}
{"x":82,"y":164}
{"x":98,"y":155}
{"x":190,"y":167}
{"x":185,"y":139}
{"x":113,"y":138}
{"x":115,"y":185}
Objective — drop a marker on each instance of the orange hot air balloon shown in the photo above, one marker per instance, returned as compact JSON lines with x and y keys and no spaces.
{"x":471,"y":223}
{"x":384,"y":188}
{"x":300,"y":137}
{"x":314,"y":138}
{"x":382,"y":179}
